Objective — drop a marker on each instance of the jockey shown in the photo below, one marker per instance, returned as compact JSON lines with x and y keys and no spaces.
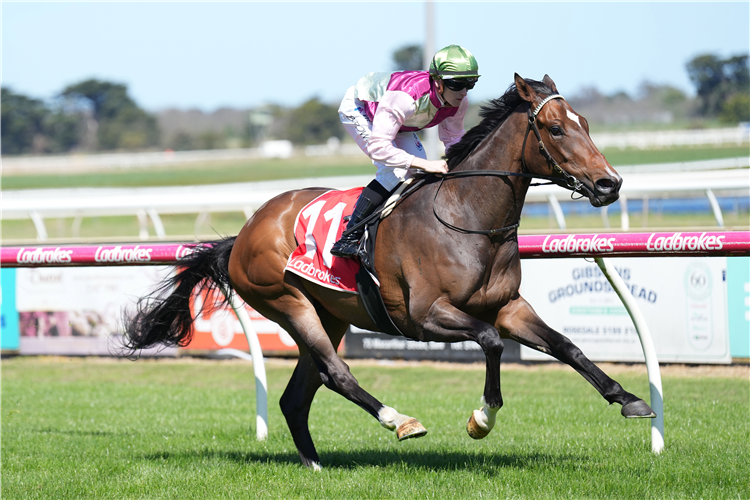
{"x":383,"y":111}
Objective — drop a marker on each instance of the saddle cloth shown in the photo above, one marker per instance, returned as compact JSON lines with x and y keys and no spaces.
{"x":318,"y":226}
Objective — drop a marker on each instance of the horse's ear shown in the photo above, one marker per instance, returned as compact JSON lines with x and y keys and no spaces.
{"x":524,"y":90}
{"x":548,"y":81}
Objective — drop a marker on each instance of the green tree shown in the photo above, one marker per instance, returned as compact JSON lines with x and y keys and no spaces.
{"x":718,"y":80}
{"x":182,"y":141}
{"x":121,"y":124}
{"x":210,"y":139}
{"x":736,"y":109}
{"x":408,"y":58}
{"x":313,"y":123}
{"x":22,"y":122}
{"x":63,"y":130}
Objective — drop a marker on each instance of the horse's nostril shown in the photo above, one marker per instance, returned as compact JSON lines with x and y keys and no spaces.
{"x":605,"y":185}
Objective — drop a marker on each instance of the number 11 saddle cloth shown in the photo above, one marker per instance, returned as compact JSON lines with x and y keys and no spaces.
{"x":318,"y":226}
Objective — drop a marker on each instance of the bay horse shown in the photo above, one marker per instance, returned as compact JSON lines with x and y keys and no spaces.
{"x":447,"y":277}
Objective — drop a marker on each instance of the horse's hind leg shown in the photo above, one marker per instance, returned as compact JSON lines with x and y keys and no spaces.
{"x":295,"y":405}
{"x":522,"y":324}
{"x":320,"y":364}
{"x":298,"y":396}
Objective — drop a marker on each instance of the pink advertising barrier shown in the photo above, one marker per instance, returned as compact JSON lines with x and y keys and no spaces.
{"x":94,"y":255}
{"x":675,"y":244}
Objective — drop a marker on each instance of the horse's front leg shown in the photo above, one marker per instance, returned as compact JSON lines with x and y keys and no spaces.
{"x":446,"y":323}
{"x":521,"y":323}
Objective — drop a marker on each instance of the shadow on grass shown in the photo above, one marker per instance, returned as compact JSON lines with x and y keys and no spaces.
{"x":447,"y":460}
{"x":77,"y":432}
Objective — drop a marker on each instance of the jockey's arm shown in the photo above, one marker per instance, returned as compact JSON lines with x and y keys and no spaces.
{"x":393,"y":110}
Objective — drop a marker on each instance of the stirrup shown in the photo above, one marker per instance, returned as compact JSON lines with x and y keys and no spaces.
{"x":346,"y":249}
{"x":348,"y":245}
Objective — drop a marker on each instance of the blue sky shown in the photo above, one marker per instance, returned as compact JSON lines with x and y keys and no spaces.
{"x":209,"y":55}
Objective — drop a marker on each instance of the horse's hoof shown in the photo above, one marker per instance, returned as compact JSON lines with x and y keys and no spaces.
{"x":475,"y":432}
{"x":410,"y":429}
{"x":637,"y":409}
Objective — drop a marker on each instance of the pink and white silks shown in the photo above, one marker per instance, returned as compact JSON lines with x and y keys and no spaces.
{"x":383,"y":111}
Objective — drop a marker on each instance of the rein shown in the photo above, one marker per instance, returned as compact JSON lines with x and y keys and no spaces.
{"x":567,"y":181}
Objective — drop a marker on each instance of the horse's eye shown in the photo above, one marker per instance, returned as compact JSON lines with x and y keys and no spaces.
{"x":555,"y":130}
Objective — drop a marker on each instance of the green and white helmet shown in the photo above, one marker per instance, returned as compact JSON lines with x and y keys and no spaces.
{"x":454,"y":61}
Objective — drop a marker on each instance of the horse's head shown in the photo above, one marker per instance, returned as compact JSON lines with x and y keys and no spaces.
{"x":572,"y":155}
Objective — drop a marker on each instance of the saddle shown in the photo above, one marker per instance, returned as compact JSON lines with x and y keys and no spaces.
{"x":319,"y":224}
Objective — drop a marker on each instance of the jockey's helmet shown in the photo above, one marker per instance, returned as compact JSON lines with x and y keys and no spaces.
{"x":454,"y":61}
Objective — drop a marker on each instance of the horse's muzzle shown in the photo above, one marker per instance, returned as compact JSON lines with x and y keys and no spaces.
{"x":605,"y":191}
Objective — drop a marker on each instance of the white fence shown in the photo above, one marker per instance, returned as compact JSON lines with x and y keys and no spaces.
{"x":149,"y":203}
{"x":284,"y":149}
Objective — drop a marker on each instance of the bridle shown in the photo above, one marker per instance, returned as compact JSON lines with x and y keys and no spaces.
{"x":570,"y":182}
{"x":564,"y":179}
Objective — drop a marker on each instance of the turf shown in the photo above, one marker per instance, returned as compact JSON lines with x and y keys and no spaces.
{"x":189,"y":174}
{"x":631,"y":156}
{"x":182,"y":227}
{"x":88,"y":428}
{"x":262,"y":170}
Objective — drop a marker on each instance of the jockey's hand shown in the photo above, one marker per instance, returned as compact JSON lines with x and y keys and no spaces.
{"x":430,"y":166}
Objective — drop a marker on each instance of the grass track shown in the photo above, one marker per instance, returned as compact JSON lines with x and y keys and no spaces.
{"x":182,"y":227}
{"x":87,"y":428}
{"x":263,"y":170}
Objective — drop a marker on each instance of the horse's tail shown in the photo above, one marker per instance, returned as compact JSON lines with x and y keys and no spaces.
{"x":163,"y":317}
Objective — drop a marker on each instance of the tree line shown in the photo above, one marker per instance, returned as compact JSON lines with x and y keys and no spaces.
{"x":96,"y":115}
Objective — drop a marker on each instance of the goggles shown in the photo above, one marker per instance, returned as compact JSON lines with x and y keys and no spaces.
{"x":457,"y":85}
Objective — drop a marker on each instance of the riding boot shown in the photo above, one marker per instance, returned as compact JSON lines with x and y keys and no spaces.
{"x":370,"y":199}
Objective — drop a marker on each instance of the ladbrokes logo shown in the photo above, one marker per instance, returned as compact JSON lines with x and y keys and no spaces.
{"x":41,"y":256}
{"x":571,"y":244}
{"x":310,"y":270}
{"x":677,"y":242}
{"x":119,"y":254}
{"x":183,"y":251}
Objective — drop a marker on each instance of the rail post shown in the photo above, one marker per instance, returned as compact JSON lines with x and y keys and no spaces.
{"x":259,"y":367}
{"x":649,"y":352}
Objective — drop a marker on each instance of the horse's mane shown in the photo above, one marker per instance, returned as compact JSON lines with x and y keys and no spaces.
{"x":493,"y":115}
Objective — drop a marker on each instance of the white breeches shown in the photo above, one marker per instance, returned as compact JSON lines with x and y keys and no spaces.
{"x":358,"y":125}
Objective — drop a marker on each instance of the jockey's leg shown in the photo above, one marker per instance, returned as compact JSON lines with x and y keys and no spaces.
{"x":371,"y":198}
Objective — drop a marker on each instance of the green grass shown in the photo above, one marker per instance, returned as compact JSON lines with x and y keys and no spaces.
{"x":200,"y":173}
{"x":185,"y":429}
{"x":619,"y":157}
{"x":262,"y":170}
{"x":739,"y":220}
{"x":182,"y":227}
{"x":177,"y":226}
